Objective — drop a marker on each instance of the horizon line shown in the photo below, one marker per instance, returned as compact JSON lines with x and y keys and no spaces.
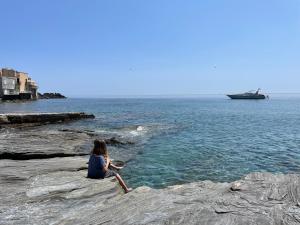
{"x":172,"y":95}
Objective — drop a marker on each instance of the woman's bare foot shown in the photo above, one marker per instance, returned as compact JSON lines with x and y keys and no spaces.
{"x":128,"y":190}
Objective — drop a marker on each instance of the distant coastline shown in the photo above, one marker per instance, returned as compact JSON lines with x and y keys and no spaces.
{"x":18,"y":86}
{"x":39,"y":97}
{"x":51,"y":96}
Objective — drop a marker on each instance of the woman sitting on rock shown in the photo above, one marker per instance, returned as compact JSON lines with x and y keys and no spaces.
{"x":100,"y":164}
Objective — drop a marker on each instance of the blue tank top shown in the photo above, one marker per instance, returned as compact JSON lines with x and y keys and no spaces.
{"x":96,"y":165}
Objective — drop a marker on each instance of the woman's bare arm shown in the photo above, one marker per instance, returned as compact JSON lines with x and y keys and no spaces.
{"x":107,"y":163}
{"x":115,"y":167}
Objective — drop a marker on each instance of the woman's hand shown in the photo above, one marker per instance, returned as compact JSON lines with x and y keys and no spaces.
{"x":119,"y":167}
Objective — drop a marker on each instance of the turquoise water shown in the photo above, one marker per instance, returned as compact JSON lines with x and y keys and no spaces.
{"x":181,"y":140}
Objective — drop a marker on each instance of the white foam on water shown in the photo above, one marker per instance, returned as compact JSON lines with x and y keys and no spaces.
{"x":100,"y":131}
{"x":140,"y":128}
{"x":135,"y":132}
{"x":125,"y":131}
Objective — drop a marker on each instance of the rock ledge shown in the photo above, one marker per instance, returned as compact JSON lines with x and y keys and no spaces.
{"x":56,"y":191}
{"x":40,"y":118}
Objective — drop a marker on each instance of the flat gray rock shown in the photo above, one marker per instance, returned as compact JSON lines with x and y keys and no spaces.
{"x":56,"y":191}
{"x":42,"y":143}
{"x":46,"y":189}
{"x":53,"y":141}
{"x":41,"y":118}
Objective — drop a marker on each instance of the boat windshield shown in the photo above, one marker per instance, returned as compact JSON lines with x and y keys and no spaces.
{"x":253,"y":91}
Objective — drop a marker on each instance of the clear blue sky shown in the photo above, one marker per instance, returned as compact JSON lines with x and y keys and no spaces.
{"x":137,"y":47}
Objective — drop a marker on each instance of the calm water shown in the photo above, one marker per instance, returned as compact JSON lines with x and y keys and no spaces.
{"x":190,"y":139}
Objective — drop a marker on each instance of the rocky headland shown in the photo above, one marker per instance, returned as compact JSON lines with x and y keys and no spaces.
{"x":50,"y":96}
{"x":43,"y":181}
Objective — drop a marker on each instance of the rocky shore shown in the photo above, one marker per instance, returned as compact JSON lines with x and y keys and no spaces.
{"x":56,"y":191}
{"x":43,"y":181}
{"x":41,"y":118}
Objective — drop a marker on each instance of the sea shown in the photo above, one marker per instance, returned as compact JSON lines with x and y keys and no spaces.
{"x":186,"y":139}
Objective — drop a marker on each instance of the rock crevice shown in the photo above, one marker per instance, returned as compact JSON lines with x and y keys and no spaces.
{"x":28,"y":156}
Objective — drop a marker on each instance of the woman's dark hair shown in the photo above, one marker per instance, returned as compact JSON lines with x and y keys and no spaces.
{"x":100,"y":148}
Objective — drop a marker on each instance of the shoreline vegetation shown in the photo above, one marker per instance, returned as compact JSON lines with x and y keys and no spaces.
{"x":43,"y":169}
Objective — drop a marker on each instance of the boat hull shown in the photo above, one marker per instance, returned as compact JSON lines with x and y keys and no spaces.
{"x":248,"y":97}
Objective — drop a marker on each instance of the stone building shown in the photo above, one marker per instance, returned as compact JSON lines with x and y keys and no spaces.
{"x":16,"y":85}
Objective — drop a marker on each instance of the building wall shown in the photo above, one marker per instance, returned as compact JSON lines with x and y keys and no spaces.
{"x":9,"y":73}
{"x":34,"y":93}
{"x":23,"y":79}
{"x":32,"y":86}
{"x":1,"y":89}
{"x":13,"y":83}
{"x":9,"y":86}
